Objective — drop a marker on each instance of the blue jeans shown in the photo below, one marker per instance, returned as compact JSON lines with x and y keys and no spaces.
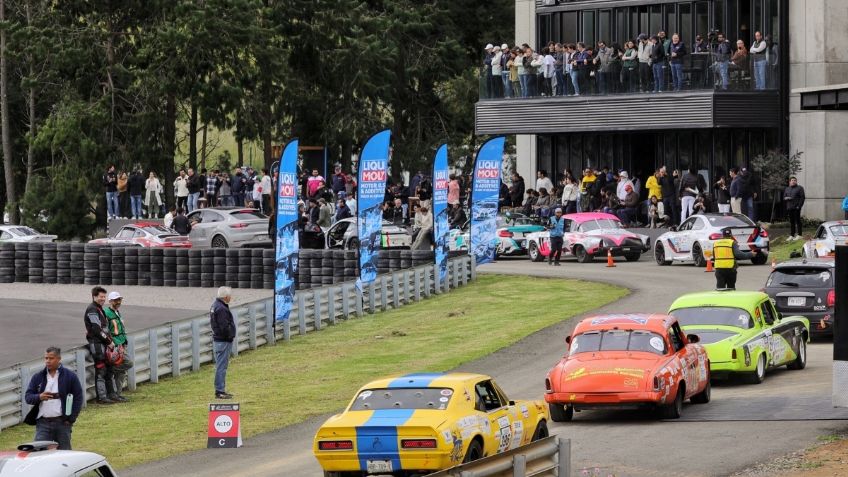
{"x":560,"y":83}
{"x":239,"y":199}
{"x":602,"y":82}
{"x":575,"y":81}
{"x":192,"y":201}
{"x":659,"y":77}
{"x":54,"y":429}
{"x":525,"y":85}
{"x":135,"y":200}
{"x":723,"y":73}
{"x":760,"y":74}
{"x":507,"y":84}
{"x":112,"y":204}
{"x":221,"y":350}
{"x":677,"y":76}
{"x":748,"y":208}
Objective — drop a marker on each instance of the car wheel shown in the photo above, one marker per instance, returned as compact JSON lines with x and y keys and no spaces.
{"x":659,"y":255}
{"x":473,"y":453}
{"x":759,"y":374}
{"x":675,"y":409}
{"x":801,"y":360}
{"x":633,"y":256}
{"x":560,"y":413}
{"x":219,"y":241}
{"x":582,"y":255}
{"x":703,"y":397}
{"x":759,"y":259}
{"x":534,"y":253}
{"x":353,"y":244}
{"x":541,"y":431}
{"x":698,"y":256}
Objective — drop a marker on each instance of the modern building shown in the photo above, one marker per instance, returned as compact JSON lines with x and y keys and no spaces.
{"x":796,"y":104}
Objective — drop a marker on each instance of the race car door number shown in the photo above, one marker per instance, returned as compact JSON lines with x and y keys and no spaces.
{"x":796,"y":301}
{"x":379,"y":466}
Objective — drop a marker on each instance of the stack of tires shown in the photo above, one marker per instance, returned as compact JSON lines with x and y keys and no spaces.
{"x":257,"y":268}
{"x":207,"y":268}
{"x":34,"y":263}
{"x":131,"y":266}
{"x":422,"y":257}
{"x":144,"y":266}
{"x":231,"y":267}
{"x":245,"y":267}
{"x":156,"y":267}
{"x":304,"y":266}
{"x":117,"y":265}
{"x":338,"y":265}
{"x":269,"y":264}
{"x":351,"y":265}
{"x":194,"y":268}
{"x":220,"y":276}
{"x":91,"y":264}
{"x":21,"y":262}
{"x":169,"y":267}
{"x":383,"y":262}
{"x":405,"y":259}
{"x":7,"y":262}
{"x":182,"y":267}
{"x":48,"y":262}
{"x":63,"y":262}
{"x":328,"y":263}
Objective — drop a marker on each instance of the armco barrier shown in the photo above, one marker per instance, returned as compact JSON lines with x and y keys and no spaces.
{"x":182,"y":346}
{"x":548,"y":457}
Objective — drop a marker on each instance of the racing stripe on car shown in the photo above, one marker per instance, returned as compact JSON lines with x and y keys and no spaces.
{"x":377,"y":438}
{"x":415,"y":380}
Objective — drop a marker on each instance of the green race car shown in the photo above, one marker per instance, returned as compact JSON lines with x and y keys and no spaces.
{"x":743,"y":333}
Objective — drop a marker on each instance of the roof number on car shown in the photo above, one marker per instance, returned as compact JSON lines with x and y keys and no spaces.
{"x":657,"y":343}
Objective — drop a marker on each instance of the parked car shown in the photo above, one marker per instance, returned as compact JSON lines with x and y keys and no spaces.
{"x":22,"y":233}
{"x":229,"y":227}
{"x":344,"y":234}
{"x":420,"y":423}
{"x":145,"y":234}
{"x":743,"y":333}
{"x":636,"y":361}
{"x":589,"y":235}
{"x":693,"y":240}
{"x":511,"y":233}
{"x":41,"y":459}
{"x":805,"y":287}
{"x":828,"y":236}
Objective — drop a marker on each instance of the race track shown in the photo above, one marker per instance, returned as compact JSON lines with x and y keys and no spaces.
{"x":743,"y":424}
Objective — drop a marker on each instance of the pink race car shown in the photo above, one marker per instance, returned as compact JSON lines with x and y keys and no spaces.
{"x":590,"y":234}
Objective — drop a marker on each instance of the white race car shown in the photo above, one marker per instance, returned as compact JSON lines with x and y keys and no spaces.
{"x":589,"y":235}
{"x":828,"y":236}
{"x":23,"y":234}
{"x":693,"y":240}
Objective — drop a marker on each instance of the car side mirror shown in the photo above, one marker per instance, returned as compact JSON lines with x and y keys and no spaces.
{"x":568,"y":340}
{"x":693,"y":338}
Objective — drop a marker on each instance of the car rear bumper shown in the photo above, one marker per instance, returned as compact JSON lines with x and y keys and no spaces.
{"x":410,"y":461}
{"x":620,"y":400}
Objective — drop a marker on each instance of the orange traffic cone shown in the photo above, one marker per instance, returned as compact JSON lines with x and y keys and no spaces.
{"x":610,"y":262}
{"x":709,"y":266}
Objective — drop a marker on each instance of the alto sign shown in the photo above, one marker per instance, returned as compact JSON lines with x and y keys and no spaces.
{"x":224,"y":426}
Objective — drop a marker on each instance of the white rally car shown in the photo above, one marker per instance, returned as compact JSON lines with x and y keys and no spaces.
{"x":693,"y":240}
{"x":828,"y":236}
{"x":589,"y":235}
{"x":40,"y":459}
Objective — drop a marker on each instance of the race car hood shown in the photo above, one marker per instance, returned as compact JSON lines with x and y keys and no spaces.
{"x":525,"y":229}
{"x":718,"y":341}
{"x":607,"y":372}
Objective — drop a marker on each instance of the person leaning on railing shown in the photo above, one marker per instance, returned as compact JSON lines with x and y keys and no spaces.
{"x":721,"y":52}
{"x":630,"y":67}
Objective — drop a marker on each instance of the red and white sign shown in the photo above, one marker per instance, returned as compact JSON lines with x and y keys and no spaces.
{"x":224,"y":426}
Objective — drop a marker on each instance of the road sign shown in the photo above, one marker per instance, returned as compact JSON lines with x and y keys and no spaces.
{"x":224,"y":426}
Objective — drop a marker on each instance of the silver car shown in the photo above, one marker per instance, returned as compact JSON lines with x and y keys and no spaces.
{"x":344,"y":234}
{"x":692,"y":241}
{"x":828,"y":236}
{"x":228,"y":227}
{"x":22,"y":233}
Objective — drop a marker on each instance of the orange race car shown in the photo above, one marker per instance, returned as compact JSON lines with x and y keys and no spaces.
{"x":637,"y":361}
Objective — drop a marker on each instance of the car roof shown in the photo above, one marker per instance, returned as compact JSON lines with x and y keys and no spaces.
{"x":834,"y":222}
{"x":633,"y":321}
{"x":426,"y":380}
{"x":818,"y":262}
{"x":48,"y":463}
{"x":745,"y":300}
{"x":587,"y":216}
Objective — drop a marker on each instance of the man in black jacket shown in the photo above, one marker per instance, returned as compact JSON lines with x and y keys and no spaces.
{"x":181,"y":223}
{"x":658,"y":64}
{"x":56,"y":397}
{"x":110,"y":182}
{"x":136,"y":189}
{"x":193,"y":184}
{"x":98,"y":337}
{"x":670,"y":204}
{"x":223,"y":335}
{"x":793,"y":197}
{"x":516,"y":191}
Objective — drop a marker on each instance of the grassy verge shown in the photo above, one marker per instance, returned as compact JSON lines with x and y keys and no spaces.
{"x":780,"y":249}
{"x":318,"y":373}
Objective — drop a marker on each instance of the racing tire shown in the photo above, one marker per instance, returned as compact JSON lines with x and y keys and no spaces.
{"x":582,"y":255}
{"x":675,"y":409}
{"x":541,"y":431}
{"x":759,"y":259}
{"x":474,"y":452}
{"x":632,"y":256}
{"x":219,"y":241}
{"x":703,"y":397}
{"x":698,"y":256}
{"x":759,"y":374}
{"x":659,"y":255}
{"x":352,"y":244}
{"x":801,"y":360}
{"x":560,"y":412}
{"x":534,"y":253}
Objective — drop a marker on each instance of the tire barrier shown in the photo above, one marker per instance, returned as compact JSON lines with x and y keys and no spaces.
{"x":79,"y":263}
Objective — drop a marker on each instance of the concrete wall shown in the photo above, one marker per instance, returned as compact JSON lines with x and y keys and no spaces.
{"x":818,"y":57}
{"x":525,"y":32}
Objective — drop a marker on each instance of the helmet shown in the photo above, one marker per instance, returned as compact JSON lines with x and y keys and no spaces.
{"x":114,"y":356}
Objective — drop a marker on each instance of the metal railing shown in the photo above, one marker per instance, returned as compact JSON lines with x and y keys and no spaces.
{"x":183,"y":346}
{"x":548,"y":457}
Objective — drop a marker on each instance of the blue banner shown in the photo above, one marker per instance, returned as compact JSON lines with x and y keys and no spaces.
{"x":373,"y":169}
{"x":286,"y":244}
{"x":440,"y":211}
{"x":484,"y":200}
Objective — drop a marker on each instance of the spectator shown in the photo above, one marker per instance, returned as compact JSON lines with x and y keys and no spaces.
{"x":487,"y":70}
{"x":181,"y":189}
{"x":136,"y":189}
{"x":453,"y":190}
{"x":457,"y":216}
{"x":98,"y":337}
{"x":424,"y":191}
{"x":549,"y":72}
{"x":587,"y":186}
{"x":314,"y":181}
{"x":793,"y":197}
{"x":194,"y":187}
{"x":536,"y":73}
{"x":559,"y":78}
{"x":516,"y":190}
{"x":630,"y":67}
{"x":609,"y":202}
{"x":722,"y":60}
{"x":557,"y":230}
{"x":735,"y":191}
{"x":513,"y":63}
{"x":119,"y":341}
{"x":110,"y":182}
{"x":653,"y":186}
{"x":265,"y":183}
{"x":339,"y":180}
{"x":644,"y":55}
{"x":212,"y":184}
{"x":238,"y":184}
{"x":226,"y":191}
{"x":153,"y":196}
{"x":398,"y":212}
{"x":701,"y":46}
{"x":169,"y":217}
{"x":496,"y":68}
{"x":342,"y":210}
{"x":123,"y":195}
{"x":249,"y":185}
{"x":56,"y":397}
{"x":529,"y":202}
{"x":746,"y":192}
{"x":603,"y":60}
{"x":180,"y":223}
{"x":656,"y":212}
{"x":542,"y":181}
{"x":569,"y":72}
{"x":722,"y":194}
{"x":700,"y":206}
{"x":669,"y":196}
{"x":688,"y":192}
{"x":313,"y":215}
{"x":570,"y":195}
{"x":630,"y":205}
{"x":350,"y":201}
{"x":739,"y":60}
{"x":580,"y":64}
{"x":658,"y":58}
{"x":621,"y":185}
{"x":423,"y":229}
{"x":678,"y":52}
{"x":325,"y":214}
{"x":543,"y":204}
{"x":223,"y":334}
{"x":758,"y":55}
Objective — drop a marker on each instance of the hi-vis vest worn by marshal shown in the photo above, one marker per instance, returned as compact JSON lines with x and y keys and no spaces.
{"x":723,"y":253}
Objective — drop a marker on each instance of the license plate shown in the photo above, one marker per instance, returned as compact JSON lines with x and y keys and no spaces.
{"x":797,"y":301}
{"x":379,"y":466}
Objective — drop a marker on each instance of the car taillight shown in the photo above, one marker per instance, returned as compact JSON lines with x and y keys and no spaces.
{"x":656,"y":383}
{"x":239,"y":225}
{"x":733,"y":354}
{"x":831,"y":298}
{"x":547,"y":385}
{"x":715,"y":236}
{"x":418,"y":443}
{"x":335,"y":445}
{"x":763,"y":233}
{"x":505,"y":233}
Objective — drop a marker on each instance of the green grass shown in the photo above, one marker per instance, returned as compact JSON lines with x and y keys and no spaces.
{"x":780,"y":249}
{"x":318,"y":373}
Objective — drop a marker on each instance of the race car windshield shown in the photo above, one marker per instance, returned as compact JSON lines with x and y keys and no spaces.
{"x":714,"y":315}
{"x":158,"y":230}
{"x":248,"y":214}
{"x":801,"y":278}
{"x":599,"y":224}
{"x":402,"y":398}
{"x":618,"y":340}
{"x":730,"y":221}
{"x":24,"y":231}
{"x":839,"y":230}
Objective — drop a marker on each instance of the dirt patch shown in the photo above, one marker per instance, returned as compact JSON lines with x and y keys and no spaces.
{"x":828,"y":459}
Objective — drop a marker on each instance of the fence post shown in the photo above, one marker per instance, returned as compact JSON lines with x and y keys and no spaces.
{"x":175,"y":350}
{"x":301,"y":313}
{"x":473,"y":266}
{"x":463,"y":276}
{"x":372,"y":298}
{"x":345,"y":302}
{"x":251,"y":326}
{"x":195,"y":345}
{"x":331,"y":305}
{"x":131,"y":371}
{"x":519,"y":465}
{"x":316,"y":299}
{"x":384,"y":293}
{"x":427,"y":283}
{"x":407,"y":287}
{"x":153,"y":355}
{"x":80,"y":355}
{"x":25,"y":377}
{"x":454,"y":274}
{"x":416,"y":284}
{"x":236,"y":314}
{"x":359,"y":299}
{"x":395,"y":291}
{"x":564,"y":457}
{"x":271,"y":324}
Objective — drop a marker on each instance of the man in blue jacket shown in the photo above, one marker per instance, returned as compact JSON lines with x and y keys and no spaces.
{"x":557,"y":231}
{"x":223,"y":334}
{"x":56,"y":397}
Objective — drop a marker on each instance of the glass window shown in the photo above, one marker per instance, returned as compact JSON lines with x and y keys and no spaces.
{"x":768,"y":313}
{"x":635,"y":27}
{"x":5,"y":235}
{"x":670,"y":150}
{"x":684,"y":26}
{"x":401,"y":398}
{"x":757,"y":18}
{"x":732,"y":24}
{"x":589,"y":28}
{"x":621,"y":35}
{"x":698,"y":224}
{"x":721,"y":221}
{"x":838,"y":230}
{"x":740,"y":147}
{"x":656,"y":19}
{"x":801,"y":277}
{"x":125,"y":234}
{"x":745,"y":32}
{"x":670,"y":20}
{"x":718,"y":16}
{"x":618,"y":340}
{"x":247,"y":214}
{"x":590,"y":150}
{"x":605,"y":26}
{"x":488,"y":395}
{"x":569,"y":27}
{"x":685,"y":151}
{"x":714,"y":316}
{"x":644,"y":27}
{"x":545,"y":152}
{"x":674,"y":336}
{"x":544,"y":30}
{"x":702,"y":19}
{"x":577,"y":153}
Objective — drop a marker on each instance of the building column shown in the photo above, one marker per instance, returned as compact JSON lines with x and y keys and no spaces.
{"x":525,"y":145}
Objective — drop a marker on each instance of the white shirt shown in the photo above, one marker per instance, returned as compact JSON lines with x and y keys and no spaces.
{"x":169,"y":219}
{"x":266,"y":185}
{"x":619,"y":189}
{"x":51,"y":407}
{"x":351,"y":204}
{"x":544,"y":182}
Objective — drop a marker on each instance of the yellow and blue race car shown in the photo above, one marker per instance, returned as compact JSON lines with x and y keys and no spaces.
{"x":419,"y":423}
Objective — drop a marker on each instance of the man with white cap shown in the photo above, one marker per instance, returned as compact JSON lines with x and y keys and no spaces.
{"x":119,"y":343}
{"x":623,"y":182}
{"x":487,"y":64}
{"x":497,"y":69}
{"x":557,"y":231}
{"x":507,"y":84}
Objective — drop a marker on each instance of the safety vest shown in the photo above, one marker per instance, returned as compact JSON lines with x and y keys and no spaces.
{"x":723,"y":253}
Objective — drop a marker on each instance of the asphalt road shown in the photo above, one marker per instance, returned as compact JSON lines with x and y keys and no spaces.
{"x":734,"y":431}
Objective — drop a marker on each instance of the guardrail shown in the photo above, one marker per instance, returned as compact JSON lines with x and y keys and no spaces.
{"x":183,"y":346}
{"x":548,"y":457}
